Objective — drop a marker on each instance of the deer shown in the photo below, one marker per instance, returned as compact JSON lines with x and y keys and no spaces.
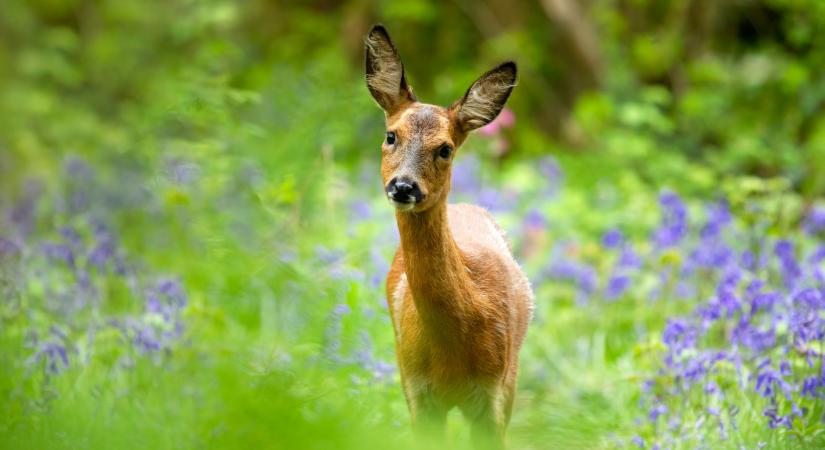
{"x":458,"y":301}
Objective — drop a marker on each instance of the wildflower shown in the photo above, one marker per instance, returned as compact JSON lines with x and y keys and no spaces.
{"x":790,"y":269}
{"x":535,"y":220}
{"x":465,"y":179}
{"x":815,"y":220}
{"x":718,"y":217}
{"x":673,"y":226}
{"x":617,"y":285}
{"x":612,"y":238}
{"x":584,"y":276}
{"x":55,"y":356}
{"x":8,"y":248}
{"x":60,"y":252}
{"x":678,"y":335}
{"x":656,"y":411}
{"x":505,"y":119}
{"x":361,"y":210}
{"x":550,"y":170}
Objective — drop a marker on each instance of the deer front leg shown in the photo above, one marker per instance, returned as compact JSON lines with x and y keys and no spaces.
{"x":486,"y":415}
{"x":428,"y":414}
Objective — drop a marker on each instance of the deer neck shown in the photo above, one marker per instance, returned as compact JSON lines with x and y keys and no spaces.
{"x":436,"y":274}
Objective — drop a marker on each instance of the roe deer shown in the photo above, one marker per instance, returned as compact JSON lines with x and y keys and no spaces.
{"x":458,"y":300}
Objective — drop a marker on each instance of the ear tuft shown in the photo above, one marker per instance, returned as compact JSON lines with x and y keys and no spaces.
{"x":385,"y":71}
{"x":486,"y":97}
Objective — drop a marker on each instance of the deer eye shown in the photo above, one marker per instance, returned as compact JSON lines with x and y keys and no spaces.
{"x":445,"y":151}
{"x":390,"y":138}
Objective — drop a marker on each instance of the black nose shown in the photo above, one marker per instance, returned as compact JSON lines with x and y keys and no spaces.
{"x":404,"y":190}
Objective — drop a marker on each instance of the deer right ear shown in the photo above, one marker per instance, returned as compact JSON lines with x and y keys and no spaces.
{"x":385,"y":72}
{"x":485,"y":98}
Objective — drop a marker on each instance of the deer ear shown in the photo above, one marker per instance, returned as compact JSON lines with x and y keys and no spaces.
{"x":385,"y":72}
{"x":485,"y":98}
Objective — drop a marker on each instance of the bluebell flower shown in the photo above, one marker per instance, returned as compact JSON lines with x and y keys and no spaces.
{"x":535,"y":220}
{"x":361,"y":210}
{"x":8,"y":248}
{"x":815,"y":220}
{"x":22,"y":214}
{"x":60,"y":252}
{"x":465,"y":175}
{"x":617,"y":285}
{"x":678,"y":335}
{"x":769,"y":382}
{"x":54,"y":355}
{"x":550,"y":169}
{"x":629,"y":258}
{"x":656,"y":411}
{"x":791,"y":272}
{"x":380,"y":267}
{"x":718,"y":218}
{"x":812,"y":387}
{"x":584,"y":276}
{"x":491,"y":199}
{"x":673,"y":226}
{"x":612,"y":238}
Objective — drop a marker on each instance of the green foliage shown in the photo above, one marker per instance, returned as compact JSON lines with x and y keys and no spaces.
{"x":229,"y":146}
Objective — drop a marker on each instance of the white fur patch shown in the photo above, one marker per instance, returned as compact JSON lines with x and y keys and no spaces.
{"x":398,"y":304}
{"x":494,"y":231}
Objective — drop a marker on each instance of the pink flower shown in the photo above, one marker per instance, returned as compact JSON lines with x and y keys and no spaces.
{"x":505,"y":119}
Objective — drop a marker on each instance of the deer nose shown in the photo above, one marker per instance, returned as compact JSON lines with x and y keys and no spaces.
{"x":404,"y":190}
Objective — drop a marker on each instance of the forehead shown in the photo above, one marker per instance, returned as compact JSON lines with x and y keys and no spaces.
{"x":422,"y":118}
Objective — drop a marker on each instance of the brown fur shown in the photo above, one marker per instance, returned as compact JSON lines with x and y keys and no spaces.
{"x":459,"y":302}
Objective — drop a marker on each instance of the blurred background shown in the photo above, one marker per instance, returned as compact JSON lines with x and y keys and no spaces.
{"x":193,"y":236}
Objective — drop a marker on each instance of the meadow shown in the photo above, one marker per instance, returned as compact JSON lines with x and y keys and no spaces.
{"x":194,"y":238}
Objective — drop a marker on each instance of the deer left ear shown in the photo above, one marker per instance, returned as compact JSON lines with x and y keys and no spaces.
{"x":485,"y":98}
{"x":385,"y":72}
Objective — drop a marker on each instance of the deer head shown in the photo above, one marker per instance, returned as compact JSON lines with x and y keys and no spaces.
{"x":421,"y":139}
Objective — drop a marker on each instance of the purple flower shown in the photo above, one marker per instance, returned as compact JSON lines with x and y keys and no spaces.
{"x":329,"y":256}
{"x":182,"y":172}
{"x":678,"y":335}
{"x":583,"y":275}
{"x":718,"y":217}
{"x":811,"y":387}
{"x":775,"y":419}
{"x":815,"y":220}
{"x":332,"y":334}
{"x":60,"y":252}
{"x":769,"y":381}
{"x":617,"y":285}
{"x":77,"y":168}
{"x":380,"y":268}
{"x":22,"y":214}
{"x":465,"y":175}
{"x":492,"y":200}
{"x":549,"y":167}
{"x":629,"y":258}
{"x":146,"y":339}
{"x":361,"y":209}
{"x":8,"y":248}
{"x":657,"y":410}
{"x":673,"y":227}
{"x":791,"y":271}
{"x":612,"y":238}
{"x":534,"y":220}
{"x":174,"y":292}
{"x":55,"y":356}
